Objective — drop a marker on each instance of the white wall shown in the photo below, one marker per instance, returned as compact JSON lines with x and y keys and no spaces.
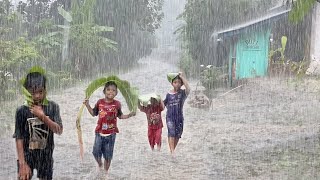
{"x":315,"y":42}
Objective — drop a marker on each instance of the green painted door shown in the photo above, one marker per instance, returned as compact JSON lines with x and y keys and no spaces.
{"x":252,"y":55}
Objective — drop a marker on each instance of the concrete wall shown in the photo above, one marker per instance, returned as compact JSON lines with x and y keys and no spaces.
{"x":314,"y":67}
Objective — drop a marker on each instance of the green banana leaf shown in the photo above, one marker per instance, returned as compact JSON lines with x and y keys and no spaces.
{"x":27,"y":96}
{"x":171,"y":76}
{"x":129,"y":93}
{"x":145,"y":100}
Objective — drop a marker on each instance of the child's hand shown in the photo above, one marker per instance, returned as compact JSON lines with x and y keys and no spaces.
{"x":86,"y":102}
{"x":24,"y":171}
{"x":37,"y":111}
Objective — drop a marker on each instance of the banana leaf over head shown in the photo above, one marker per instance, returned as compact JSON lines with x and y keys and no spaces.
{"x":171,"y":76}
{"x":25,"y":92}
{"x":145,"y":100}
{"x":129,"y":93}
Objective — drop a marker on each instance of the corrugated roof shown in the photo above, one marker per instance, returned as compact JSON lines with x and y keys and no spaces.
{"x":256,"y":23}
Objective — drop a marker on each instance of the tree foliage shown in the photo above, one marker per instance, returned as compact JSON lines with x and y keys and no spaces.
{"x":207,"y":16}
{"x":77,"y":38}
{"x":301,"y":8}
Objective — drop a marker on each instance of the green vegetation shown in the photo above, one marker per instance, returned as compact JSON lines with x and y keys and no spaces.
{"x":74,"y":39}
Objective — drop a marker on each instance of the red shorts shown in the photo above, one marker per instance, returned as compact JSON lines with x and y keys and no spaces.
{"x":154,"y":136}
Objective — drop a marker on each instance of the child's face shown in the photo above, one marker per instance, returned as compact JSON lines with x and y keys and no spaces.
{"x":177,"y":83}
{"x":111,"y":92}
{"x":38,"y":95}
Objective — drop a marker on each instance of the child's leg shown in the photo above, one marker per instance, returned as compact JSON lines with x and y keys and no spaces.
{"x":176,"y":140}
{"x":178,"y":133}
{"x":151,"y":138}
{"x":99,"y":161}
{"x":107,"y":163}
{"x":171,"y":134}
{"x":107,"y":150}
{"x":171,"y":144}
{"x":158,"y":138}
{"x":97,"y":153}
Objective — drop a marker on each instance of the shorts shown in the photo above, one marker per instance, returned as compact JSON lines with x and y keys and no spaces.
{"x":42,"y":161}
{"x":154,"y":136}
{"x":175,"y":127}
{"x":103,"y":145}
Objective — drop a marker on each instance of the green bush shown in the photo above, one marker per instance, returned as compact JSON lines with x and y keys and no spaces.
{"x":60,"y":80}
{"x":213,"y":77}
{"x":10,"y":95}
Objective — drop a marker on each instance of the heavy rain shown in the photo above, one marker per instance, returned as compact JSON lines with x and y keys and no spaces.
{"x":253,"y":68}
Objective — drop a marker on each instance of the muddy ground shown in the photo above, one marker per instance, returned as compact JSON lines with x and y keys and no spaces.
{"x":267,"y":129}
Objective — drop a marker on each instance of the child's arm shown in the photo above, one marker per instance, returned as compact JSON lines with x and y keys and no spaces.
{"x":24,"y":169}
{"x":161,"y":104}
{"x":185,"y":83}
{"x":140,"y":107}
{"x":53,"y":126}
{"x":123,"y":116}
{"x":86,"y":103}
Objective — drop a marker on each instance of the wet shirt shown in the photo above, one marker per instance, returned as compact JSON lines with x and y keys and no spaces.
{"x":108,"y":112}
{"x":174,"y":104}
{"x":35,"y":134}
{"x":153,"y":115}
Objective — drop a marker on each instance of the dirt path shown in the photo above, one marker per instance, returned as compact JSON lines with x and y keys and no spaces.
{"x":266,"y":129}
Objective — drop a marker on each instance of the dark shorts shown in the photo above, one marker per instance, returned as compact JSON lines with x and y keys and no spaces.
{"x":42,"y":161}
{"x":175,"y":127}
{"x":103,"y":146}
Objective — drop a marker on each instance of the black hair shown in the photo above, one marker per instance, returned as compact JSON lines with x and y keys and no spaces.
{"x":109,"y":83}
{"x":177,"y":77}
{"x":35,"y":80}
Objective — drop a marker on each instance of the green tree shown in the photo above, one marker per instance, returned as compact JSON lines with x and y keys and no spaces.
{"x":15,"y":51}
{"x":207,"y":16}
{"x":134,"y":23}
{"x":301,"y":8}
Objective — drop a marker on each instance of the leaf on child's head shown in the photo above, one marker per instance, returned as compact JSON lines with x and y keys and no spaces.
{"x":37,"y":69}
{"x":171,"y":76}
{"x":94,"y":85}
{"x":25,"y":92}
{"x":129,"y":93}
{"x":145,"y":100}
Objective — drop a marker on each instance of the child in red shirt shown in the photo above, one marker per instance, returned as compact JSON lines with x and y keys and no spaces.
{"x":153,"y":112}
{"x":108,"y":110}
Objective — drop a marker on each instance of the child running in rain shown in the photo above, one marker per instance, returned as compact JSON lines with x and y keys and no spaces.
{"x":174,"y":101}
{"x":108,"y":110}
{"x":35,"y":125}
{"x":153,"y":108}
